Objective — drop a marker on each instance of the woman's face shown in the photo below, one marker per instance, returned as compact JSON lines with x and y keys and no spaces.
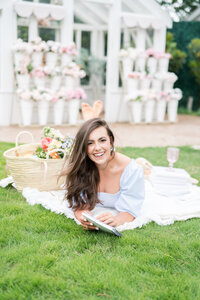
{"x":99,"y":146}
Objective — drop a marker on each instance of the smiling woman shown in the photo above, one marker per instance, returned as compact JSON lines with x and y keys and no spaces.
{"x":98,"y":176}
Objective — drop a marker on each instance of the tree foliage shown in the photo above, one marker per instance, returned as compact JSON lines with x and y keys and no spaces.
{"x":178,"y":56}
{"x":180,"y":7}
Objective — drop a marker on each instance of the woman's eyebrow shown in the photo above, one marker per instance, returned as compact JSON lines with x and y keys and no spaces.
{"x":102,"y":137}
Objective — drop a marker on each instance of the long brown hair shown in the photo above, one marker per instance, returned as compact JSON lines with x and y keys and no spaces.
{"x":82,"y":175}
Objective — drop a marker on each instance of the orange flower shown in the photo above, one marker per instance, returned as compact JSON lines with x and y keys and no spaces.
{"x":54,"y":155}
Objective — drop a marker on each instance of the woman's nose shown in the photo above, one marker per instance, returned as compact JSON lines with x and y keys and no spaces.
{"x":97,"y":146}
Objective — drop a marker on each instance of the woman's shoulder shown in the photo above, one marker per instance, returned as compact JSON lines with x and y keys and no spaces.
{"x":122,"y":160}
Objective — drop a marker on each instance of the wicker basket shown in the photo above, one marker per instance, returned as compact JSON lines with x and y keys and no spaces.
{"x":28,"y":171}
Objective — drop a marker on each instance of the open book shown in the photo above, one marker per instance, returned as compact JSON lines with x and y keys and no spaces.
{"x":101,"y":225}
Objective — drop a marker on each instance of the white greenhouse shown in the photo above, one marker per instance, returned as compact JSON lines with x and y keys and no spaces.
{"x":107,"y":25}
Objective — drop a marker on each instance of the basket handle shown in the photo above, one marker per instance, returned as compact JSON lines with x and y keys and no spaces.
{"x":45,"y":163}
{"x":23,"y":132}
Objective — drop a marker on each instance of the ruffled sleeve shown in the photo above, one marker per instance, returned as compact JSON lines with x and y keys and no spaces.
{"x":132,"y":190}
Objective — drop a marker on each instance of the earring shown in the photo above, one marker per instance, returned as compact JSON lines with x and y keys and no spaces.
{"x":112,"y":149}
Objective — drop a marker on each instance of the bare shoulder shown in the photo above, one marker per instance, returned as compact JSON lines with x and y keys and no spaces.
{"x":122,"y":160}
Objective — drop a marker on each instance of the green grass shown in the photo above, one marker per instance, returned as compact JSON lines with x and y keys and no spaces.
{"x":47,"y":256}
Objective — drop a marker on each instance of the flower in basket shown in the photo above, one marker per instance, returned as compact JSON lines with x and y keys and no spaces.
{"x":52,"y":46}
{"x":77,"y":93}
{"x":135,"y":75}
{"x":53,"y":139}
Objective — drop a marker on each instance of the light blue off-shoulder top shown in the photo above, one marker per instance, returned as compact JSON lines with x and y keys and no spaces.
{"x":131,"y":194}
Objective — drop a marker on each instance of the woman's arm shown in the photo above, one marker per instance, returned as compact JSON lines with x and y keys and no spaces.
{"x":117,"y":220}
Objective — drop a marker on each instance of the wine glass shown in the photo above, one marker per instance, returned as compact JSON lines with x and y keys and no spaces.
{"x":172,"y":156}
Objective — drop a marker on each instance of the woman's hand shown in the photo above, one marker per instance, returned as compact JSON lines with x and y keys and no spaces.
{"x":84,"y":223}
{"x":115,"y":221}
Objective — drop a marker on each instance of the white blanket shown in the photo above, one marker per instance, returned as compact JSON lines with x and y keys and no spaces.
{"x":158,"y":208}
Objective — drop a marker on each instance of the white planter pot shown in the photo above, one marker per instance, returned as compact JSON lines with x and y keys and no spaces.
{"x":140,"y":64}
{"x":58,"y":112}
{"x":23,"y":81}
{"x":55,"y":82}
{"x":172,"y":108}
{"x":163,"y":65}
{"x":160,"y":110}
{"x":127,"y":64}
{"x":65,"y":59}
{"x":132,"y":84}
{"x":156,"y":84}
{"x":18,"y":56}
{"x":71,"y":82}
{"x":51,"y":59}
{"x":136,"y":111}
{"x":37,"y":58}
{"x":43,"y":109}
{"x":26,"y":108}
{"x":73,"y":111}
{"x":39,"y":82}
{"x":149,"y":111}
{"x":152,"y":65}
{"x":145,"y":83}
{"x":168,"y":85}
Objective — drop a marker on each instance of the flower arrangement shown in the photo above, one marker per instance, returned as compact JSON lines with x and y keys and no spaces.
{"x":152,"y":53}
{"x":24,"y":94}
{"x":37,"y":45}
{"x":53,"y":139}
{"x":162,"y":95}
{"x":71,"y":49}
{"x":60,"y":95}
{"x":164,"y":55}
{"x":137,"y":96}
{"x":171,"y":77}
{"x":123,"y":53}
{"x":38,"y":72}
{"x":77,"y":93}
{"x":175,"y":94}
{"x":73,"y":70}
{"x":41,"y":95}
{"x":21,"y":46}
{"x":52,"y":46}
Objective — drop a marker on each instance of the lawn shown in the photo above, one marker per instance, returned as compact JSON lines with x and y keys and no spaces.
{"x":47,"y":256}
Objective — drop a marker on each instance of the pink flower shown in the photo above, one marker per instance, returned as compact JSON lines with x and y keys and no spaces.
{"x":45,"y":143}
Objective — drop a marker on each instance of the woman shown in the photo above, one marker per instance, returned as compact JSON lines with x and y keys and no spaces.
{"x":97,"y":175}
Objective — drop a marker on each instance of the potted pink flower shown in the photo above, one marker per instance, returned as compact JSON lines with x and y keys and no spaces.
{"x":38,"y":47}
{"x":68,"y":52}
{"x":52,"y":51}
{"x":26,"y":106}
{"x":38,"y":76}
{"x":152,"y":60}
{"x":133,"y":81}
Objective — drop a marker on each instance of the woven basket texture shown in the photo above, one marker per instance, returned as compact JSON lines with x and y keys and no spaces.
{"x":27,"y":171}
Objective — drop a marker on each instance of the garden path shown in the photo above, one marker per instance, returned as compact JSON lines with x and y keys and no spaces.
{"x":185,"y":132}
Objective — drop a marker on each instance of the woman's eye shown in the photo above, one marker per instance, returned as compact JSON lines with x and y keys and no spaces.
{"x":103,"y":140}
{"x":89,"y":143}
